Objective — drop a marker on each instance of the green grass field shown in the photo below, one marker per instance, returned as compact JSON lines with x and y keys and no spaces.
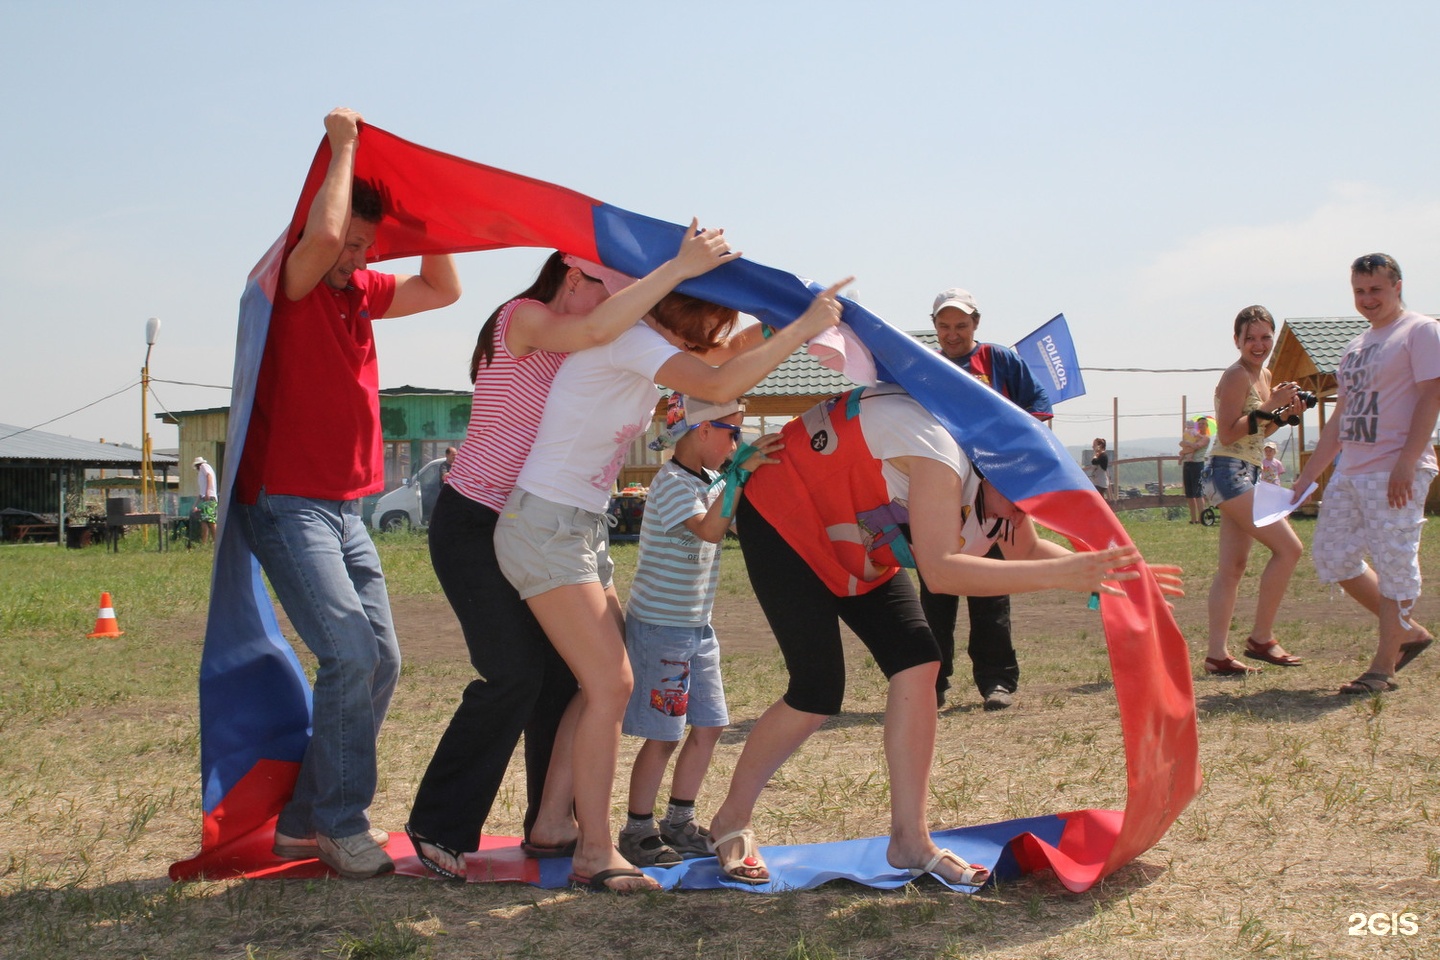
{"x":1316,"y":809}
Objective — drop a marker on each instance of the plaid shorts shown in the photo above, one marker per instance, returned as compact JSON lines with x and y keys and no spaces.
{"x":1356,"y":519}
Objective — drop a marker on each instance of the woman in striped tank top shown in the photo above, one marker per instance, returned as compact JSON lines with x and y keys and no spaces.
{"x":523,"y":686}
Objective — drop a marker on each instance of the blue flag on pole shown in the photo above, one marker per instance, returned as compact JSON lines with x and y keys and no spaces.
{"x":1050,"y":354}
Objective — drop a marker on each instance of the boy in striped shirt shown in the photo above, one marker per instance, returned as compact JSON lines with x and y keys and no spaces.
{"x":673,"y":650}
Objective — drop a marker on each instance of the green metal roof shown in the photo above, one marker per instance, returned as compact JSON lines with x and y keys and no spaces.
{"x":1324,"y":338}
{"x":802,"y":375}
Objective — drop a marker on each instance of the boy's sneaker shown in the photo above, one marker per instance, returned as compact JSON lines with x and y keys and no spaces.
{"x":644,"y":848}
{"x":688,"y":839}
{"x":354,"y":858}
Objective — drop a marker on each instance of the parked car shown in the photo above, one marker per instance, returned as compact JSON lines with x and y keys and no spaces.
{"x":408,"y":506}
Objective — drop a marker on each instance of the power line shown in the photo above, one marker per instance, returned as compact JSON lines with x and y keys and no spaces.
{"x":1148,"y":370}
{"x":72,"y":412}
{"x":186,"y":383}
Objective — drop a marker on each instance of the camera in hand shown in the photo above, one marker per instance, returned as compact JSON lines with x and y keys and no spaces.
{"x":1283,"y":416}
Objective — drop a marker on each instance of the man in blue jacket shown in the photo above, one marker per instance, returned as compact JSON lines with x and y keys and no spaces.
{"x":992,"y":654}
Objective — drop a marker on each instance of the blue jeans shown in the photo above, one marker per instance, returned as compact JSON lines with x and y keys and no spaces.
{"x":323,"y":567}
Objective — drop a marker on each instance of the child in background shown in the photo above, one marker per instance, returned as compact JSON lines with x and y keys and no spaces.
{"x":673,"y":650}
{"x":1271,"y":467}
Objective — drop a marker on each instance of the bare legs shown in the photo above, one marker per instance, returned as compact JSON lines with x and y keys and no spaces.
{"x":555,"y":821}
{"x":777,"y":734}
{"x":1237,"y":533}
{"x":583,"y":622}
{"x":690,"y":767}
{"x":909,"y":750}
{"x":1365,"y":590}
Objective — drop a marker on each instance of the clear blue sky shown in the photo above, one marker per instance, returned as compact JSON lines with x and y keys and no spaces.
{"x":1146,"y":169}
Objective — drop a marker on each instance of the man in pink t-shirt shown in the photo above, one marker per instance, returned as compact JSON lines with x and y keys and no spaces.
{"x":312,"y":450}
{"x":1381,"y":430}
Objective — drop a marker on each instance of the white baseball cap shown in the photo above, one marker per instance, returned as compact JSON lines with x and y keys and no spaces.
{"x":961,"y":300}
{"x":683,"y":414}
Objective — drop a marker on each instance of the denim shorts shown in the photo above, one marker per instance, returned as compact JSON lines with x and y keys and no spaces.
{"x":1226,"y":478}
{"x":541,"y":545}
{"x":677,"y":680}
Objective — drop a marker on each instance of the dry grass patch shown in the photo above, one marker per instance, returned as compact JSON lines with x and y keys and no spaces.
{"x":1314,"y":808}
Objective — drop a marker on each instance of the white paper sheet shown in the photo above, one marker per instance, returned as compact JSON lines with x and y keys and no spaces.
{"x":1272,"y":502}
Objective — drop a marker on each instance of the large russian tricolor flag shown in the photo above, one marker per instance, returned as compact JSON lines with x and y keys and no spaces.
{"x":254,"y":697}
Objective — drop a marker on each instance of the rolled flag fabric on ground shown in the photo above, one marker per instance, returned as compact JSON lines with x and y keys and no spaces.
{"x":254,"y":698}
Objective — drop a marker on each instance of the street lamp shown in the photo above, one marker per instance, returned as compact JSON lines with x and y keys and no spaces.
{"x":147,"y":470}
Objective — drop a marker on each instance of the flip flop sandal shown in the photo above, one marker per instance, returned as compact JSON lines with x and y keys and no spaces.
{"x":1409,"y":651}
{"x":598,"y":883}
{"x":749,"y":858}
{"x":1261,"y":651}
{"x":547,"y":851}
{"x":970,"y":875}
{"x":1369,"y":683}
{"x":431,"y":864}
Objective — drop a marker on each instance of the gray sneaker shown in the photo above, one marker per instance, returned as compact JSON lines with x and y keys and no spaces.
{"x":644,"y":848}
{"x":689,"y":839}
{"x":998,"y":698}
{"x":308,"y":848}
{"x":354,"y":858}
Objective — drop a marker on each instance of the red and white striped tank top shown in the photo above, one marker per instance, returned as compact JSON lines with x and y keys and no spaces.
{"x":504,"y":417}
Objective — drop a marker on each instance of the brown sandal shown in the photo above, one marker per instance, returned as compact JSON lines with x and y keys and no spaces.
{"x":1227,"y":667}
{"x":1369,"y":683}
{"x":1261,"y":651}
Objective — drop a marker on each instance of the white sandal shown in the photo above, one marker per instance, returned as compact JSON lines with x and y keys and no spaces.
{"x":749,"y":858}
{"x":970,"y":875}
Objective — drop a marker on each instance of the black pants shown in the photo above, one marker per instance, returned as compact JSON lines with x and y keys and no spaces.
{"x":524,"y":685}
{"x":992,"y":655}
{"x":805,"y":618}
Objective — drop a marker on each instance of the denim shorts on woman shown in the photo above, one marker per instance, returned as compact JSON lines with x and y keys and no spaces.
{"x":541,"y":545}
{"x":1226,"y":478}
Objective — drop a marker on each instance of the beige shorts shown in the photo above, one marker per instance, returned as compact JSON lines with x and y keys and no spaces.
{"x":541,"y":545}
{"x":1356,"y":518}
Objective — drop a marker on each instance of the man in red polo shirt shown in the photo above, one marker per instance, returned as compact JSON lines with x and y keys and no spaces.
{"x":313,"y":450}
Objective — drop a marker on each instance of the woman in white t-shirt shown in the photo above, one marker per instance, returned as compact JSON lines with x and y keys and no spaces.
{"x":522,"y":684}
{"x":552,"y":540}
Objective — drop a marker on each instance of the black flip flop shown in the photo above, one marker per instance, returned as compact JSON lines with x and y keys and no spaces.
{"x":597,"y":882}
{"x":547,"y":851}
{"x":434,"y":866}
{"x":1409,"y":651}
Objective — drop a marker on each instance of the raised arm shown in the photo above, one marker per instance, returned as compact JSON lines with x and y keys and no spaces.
{"x":692,"y":376}
{"x":535,"y":326}
{"x":328,"y":220}
{"x":437,"y":285}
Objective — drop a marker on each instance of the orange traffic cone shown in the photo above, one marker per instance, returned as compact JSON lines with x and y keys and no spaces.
{"x":105,"y":623}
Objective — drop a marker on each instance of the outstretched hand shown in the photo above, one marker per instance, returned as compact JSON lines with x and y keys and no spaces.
{"x":1088,"y":571}
{"x":703,"y":250}
{"x":1167,"y":578}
